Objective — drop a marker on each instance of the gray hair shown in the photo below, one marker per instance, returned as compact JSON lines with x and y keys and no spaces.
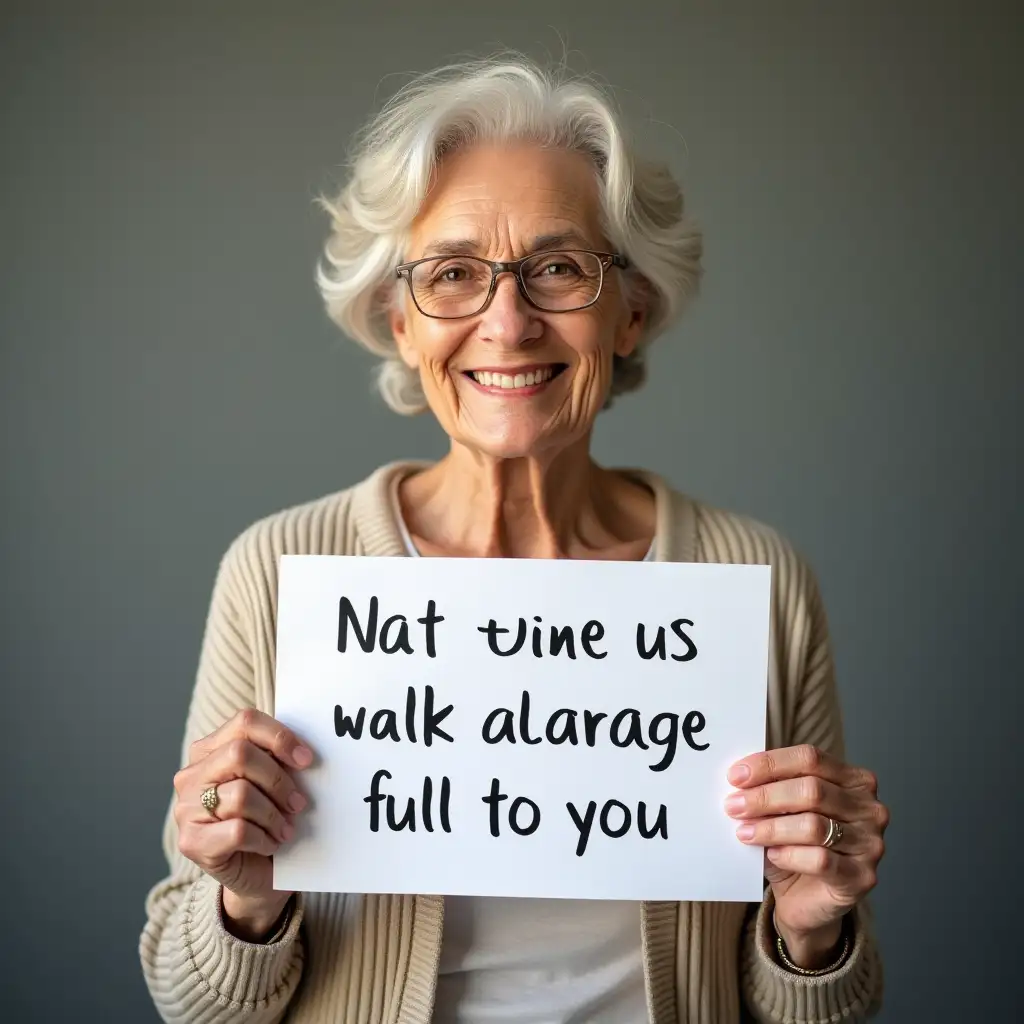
{"x":497,"y":100}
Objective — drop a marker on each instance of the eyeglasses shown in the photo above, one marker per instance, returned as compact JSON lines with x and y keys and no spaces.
{"x":450,"y":287}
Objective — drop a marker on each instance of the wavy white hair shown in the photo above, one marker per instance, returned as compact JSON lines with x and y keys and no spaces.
{"x":506,"y":99}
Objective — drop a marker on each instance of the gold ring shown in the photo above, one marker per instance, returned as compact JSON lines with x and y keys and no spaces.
{"x":835,"y":833}
{"x":210,"y":800}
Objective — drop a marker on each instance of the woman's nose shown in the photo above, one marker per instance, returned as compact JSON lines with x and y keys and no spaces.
{"x":508,"y":319}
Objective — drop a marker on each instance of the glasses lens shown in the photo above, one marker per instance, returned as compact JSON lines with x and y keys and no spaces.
{"x":450,"y":286}
{"x":559,"y":281}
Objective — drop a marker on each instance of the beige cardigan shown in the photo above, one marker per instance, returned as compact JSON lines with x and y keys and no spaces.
{"x":371,"y":958}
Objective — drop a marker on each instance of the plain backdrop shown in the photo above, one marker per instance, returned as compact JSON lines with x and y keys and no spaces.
{"x":851,"y":375}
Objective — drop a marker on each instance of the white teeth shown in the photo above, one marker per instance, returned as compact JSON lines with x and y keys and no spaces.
{"x":503,"y":380}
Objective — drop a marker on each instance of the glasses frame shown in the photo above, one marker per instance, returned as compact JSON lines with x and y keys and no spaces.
{"x":606,"y":261}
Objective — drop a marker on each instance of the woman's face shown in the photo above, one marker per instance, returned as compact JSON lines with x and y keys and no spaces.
{"x":503,"y":203}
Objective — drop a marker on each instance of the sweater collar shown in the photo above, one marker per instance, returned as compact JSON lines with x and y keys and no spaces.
{"x":675,"y":537}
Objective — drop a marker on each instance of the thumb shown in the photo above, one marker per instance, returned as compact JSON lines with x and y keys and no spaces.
{"x":775,"y":875}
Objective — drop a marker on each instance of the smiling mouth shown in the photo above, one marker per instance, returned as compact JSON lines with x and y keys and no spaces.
{"x":520,"y":379}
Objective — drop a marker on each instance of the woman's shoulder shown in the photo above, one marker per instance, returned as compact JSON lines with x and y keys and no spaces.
{"x":724,"y":535}
{"x":728,"y":537}
{"x":356,"y":520}
{"x":695,"y":530}
{"x":704,"y":532}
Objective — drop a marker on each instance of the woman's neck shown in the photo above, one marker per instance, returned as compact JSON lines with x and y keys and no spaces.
{"x":562,"y":506}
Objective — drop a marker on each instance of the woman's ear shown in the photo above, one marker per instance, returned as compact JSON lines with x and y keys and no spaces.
{"x":631,"y":328}
{"x":399,"y":325}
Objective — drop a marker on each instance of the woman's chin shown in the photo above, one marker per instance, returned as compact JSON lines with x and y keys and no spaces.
{"x":518,"y":444}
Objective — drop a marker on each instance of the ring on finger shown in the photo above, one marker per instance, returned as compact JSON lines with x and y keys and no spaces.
{"x":835,"y":834}
{"x":209,"y":799}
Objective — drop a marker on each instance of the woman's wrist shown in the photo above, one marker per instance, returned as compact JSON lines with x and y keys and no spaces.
{"x":252,"y":920}
{"x":812,"y":950}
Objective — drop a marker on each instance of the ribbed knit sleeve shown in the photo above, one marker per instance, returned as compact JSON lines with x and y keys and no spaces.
{"x":812,"y":715}
{"x":197,"y":972}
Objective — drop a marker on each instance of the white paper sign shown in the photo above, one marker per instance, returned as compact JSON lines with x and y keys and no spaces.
{"x":591,"y":763}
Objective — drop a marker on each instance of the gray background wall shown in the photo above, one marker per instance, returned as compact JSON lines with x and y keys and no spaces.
{"x":851,"y":375}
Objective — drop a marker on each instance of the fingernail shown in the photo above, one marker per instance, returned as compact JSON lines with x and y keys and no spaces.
{"x":735,"y":803}
{"x":739,"y":773}
{"x":287,"y":831}
{"x":745,"y":832}
{"x":296,"y":801}
{"x":303,"y":756}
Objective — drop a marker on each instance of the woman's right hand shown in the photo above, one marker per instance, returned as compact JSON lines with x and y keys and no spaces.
{"x":250,"y":760}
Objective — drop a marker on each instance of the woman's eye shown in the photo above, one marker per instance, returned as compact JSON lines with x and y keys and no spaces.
{"x":450,"y":275}
{"x":558,"y":269}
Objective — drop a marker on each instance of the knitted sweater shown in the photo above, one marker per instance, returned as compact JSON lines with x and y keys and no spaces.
{"x":349,"y":957}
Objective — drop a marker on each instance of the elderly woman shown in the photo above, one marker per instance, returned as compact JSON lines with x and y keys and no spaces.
{"x":504,"y":252}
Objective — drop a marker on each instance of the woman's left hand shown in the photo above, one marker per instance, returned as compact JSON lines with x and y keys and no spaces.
{"x":785,"y":802}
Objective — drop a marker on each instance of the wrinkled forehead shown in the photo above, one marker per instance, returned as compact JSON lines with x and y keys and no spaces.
{"x":487,"y":199}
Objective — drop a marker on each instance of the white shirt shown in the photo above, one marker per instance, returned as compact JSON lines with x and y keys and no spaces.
{"x":533,"y":961}
{"x":538,"y":961}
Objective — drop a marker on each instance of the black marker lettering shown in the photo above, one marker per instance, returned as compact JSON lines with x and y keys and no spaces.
{"x":402,"y":643}
{"x":410,"y":714}
{"x":634,"y":733}
{"x":591,"y":720}
{"x":513,"y":816}
{"x":669,"y":740}
{"x":568,"y":733}
{"x":694,"y":722}
{"x":524,"y":721}
{"x":627,"y":819}
{"x":563,"y":638}
{"x":492,"y":800}
{"x":428,"y":796}
{"x":446,"y":799}
{"x":660,"y":823}
{"x":658,"y":649}
{"x":343,"y":725}
{"x":384,"y":724}
{"x":592,"y":632}
{"x":691,"y":647}
{"x":347,"y":614}
{"x":430,"y":620}
{"x":408,"y":819}
{"x":507,"y":730}
{"x":375,"y":798}
{"x":431,"y":719}
{"x":492,"y":629}
{"x":584,"y":825}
